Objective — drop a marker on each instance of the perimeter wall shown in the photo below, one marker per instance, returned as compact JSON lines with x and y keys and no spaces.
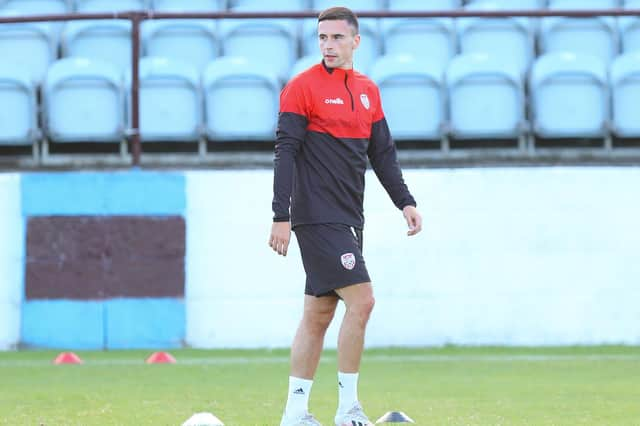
{"x":508,"y":256}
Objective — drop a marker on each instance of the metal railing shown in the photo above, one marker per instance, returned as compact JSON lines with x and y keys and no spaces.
{"x":137,"y":17}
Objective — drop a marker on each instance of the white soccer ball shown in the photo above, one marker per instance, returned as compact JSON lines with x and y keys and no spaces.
{"x":203,"y":419}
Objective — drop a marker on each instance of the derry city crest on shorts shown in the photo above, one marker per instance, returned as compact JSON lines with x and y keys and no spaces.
{"x":348,"y":261}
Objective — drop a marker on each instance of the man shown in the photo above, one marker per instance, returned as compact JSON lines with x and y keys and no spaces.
{"x":330,"y":122}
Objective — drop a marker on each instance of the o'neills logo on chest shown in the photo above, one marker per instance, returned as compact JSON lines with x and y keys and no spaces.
{"x":334,"y":101}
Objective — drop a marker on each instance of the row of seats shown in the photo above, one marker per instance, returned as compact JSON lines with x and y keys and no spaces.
{"x":570,"y":96}
{"x":66,"y":6}
{"x":33,"y":46}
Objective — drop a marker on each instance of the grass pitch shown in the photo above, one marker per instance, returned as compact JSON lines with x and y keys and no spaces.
{"x":436,"y":386}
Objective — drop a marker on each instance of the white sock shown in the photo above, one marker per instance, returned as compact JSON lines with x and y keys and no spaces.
{"x":347,"y":391}
{"x":298,"y":398}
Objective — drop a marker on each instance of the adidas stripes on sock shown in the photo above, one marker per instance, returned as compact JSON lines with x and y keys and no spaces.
{"x":347,"y":391}
{"x":298,"y":398}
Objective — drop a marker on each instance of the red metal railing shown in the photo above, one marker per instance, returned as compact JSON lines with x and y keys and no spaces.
{"x":136,"y":18}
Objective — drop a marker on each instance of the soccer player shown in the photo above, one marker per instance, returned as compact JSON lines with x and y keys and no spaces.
{"x":330,"y":122}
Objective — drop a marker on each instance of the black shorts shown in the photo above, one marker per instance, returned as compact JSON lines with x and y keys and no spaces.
{"x":332,"y":257}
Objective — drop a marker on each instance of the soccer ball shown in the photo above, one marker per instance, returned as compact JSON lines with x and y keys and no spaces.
{"x":203,"y":419}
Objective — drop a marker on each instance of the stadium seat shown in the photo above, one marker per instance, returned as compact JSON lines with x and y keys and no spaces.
{"x":569,"y":96}
{"x":424,"y":5}
{"x":519,"y":4}
{"x":106,"y":40}
{"x":432,"y":38}
{"x":591,"y":36}
{"x":38,"y":7}
{"x":27,"y":46}
{"x":262,"y":6}
{"x":170,"y":100}
{"x":412,"y":94}
{"x":192,"y":41}
{"x":70,"y":82}
{"x":42,"y":7}
{"x":18,"y":109}
{"x":355,"y":5}
{"x":304,"y":63}
{"x":506,"y":39}
{"x":629,"y":28}
{"x":87,"y":6}
{"x":497,"y":109}
{"x":189,"y":5}
{"x":241,"y":100}
{"x":271,"y":44}
{"x":625,"y":92}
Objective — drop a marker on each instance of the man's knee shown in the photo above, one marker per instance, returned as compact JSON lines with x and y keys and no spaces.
{"x":318,"y":320}
{"x":362,"y":308}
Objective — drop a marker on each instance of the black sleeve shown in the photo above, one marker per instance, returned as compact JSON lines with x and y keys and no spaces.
{"x":382,"y":154}
{"x":290,"y":134}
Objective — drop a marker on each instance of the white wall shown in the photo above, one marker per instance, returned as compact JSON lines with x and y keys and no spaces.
{"x":11,"y":260}
{"x":508,"y":256}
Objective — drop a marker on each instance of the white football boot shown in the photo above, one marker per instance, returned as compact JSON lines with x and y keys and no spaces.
{"x":354,"y":417}
{"x":306,"y":420}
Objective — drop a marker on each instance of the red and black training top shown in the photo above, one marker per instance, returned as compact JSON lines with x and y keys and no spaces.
{"x":330,"y":121}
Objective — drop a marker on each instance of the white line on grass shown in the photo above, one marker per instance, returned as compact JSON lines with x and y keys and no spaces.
{"x":331,"y":358}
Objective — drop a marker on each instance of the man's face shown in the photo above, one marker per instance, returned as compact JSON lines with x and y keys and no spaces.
{"x":337,"y":43}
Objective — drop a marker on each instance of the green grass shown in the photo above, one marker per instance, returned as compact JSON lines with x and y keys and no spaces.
{"x":436,"y":386}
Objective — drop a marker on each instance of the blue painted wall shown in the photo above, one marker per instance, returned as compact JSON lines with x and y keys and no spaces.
{"x":112,"y":323}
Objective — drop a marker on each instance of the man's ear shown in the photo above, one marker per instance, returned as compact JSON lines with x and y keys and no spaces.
{"x":356,"y":41}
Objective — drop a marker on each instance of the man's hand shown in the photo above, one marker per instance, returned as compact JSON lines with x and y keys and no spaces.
{"x":280,"y":237}
{"x":414,"y":220}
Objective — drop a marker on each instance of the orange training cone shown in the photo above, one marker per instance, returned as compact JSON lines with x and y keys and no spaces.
{"x":67,"y":358}
{"x":161,"y":358}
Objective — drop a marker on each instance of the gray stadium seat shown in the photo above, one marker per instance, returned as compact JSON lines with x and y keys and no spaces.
{"x":69,"y":117}
{"x":486,"y":98}
{"x":569,"y":96}
{"x":235,"y":89}
{"x":412,"y":94}
{"x":170,"y":100}
{"x":192,"y":41}
{"x":625,"y":91}
{"x":18,"y":109}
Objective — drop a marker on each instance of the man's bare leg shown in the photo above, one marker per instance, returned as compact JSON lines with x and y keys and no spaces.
{"x":305,"y":354}
{"x":359,"y":303}
{"x":309,"y":339}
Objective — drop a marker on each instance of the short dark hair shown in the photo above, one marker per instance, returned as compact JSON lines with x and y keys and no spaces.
{"x":340,"y":14}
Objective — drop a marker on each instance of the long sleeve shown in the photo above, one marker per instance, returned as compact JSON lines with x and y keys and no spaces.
{"x":290,"y":134}
{"x":384,"y":160}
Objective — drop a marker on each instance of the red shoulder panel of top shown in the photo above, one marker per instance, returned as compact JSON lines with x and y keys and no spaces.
{"x":341,"y":103}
